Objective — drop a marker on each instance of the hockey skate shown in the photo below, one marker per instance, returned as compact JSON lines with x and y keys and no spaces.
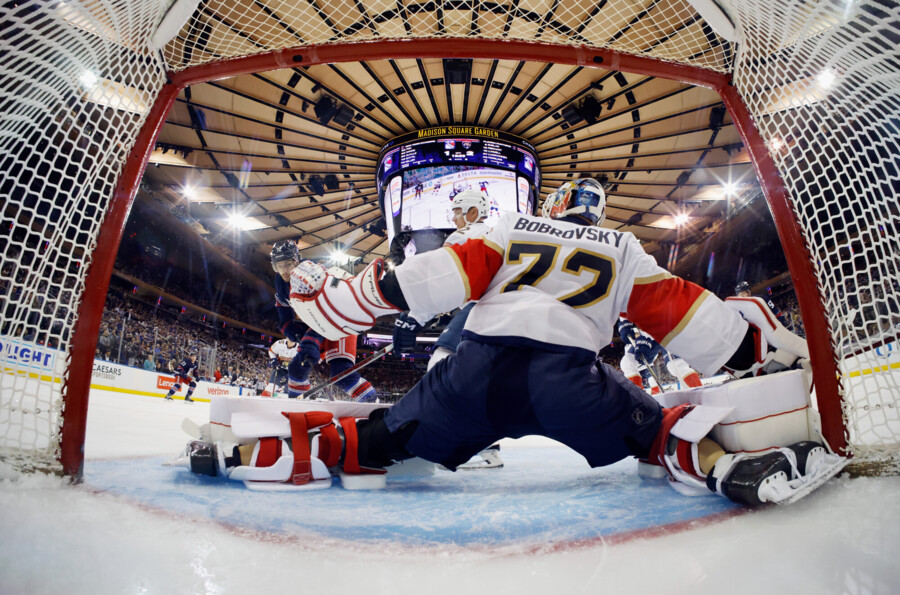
{"x":188,"y":399}
{"x":489,"y":458}
{"x":781,"y":477}
{"x":169,"y":398}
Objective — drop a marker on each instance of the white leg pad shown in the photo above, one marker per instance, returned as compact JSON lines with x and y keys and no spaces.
{"x":414,"y":467}
{"x":767,"y":411}
{"x":277,"y":477}
{"x":258,"y":424}
{"x":699,"y":422}
{"x":353,"y":481}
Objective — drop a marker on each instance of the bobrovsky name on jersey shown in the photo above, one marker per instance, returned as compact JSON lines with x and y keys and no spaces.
{"x":591,"y":233}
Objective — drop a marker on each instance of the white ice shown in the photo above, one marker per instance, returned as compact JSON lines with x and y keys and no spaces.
{"x":845,"y":538}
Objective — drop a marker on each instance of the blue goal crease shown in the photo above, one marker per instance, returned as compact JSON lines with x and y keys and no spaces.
{"x":540,"y":496}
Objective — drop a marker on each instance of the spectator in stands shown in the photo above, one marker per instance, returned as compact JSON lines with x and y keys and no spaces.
{"x":149,"y":364}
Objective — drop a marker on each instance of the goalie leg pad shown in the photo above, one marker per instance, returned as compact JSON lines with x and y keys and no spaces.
{"x":353,"y":475}
{"x":680,"y":445}
{"x":275,"y":467}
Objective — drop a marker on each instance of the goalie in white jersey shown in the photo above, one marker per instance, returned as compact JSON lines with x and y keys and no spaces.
{"x":550,"y":291}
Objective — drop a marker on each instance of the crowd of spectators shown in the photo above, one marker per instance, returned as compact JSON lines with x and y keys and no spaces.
{"x":157,"y":338}
{"x":215,"y":301}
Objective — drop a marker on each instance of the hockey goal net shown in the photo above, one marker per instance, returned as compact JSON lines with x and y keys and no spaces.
{"x":812,"y":87}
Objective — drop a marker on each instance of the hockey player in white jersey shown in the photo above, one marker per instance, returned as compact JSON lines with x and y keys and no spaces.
{"x":550,"y":291}
{"x":469,"y":209}
{"x":281,"y":354}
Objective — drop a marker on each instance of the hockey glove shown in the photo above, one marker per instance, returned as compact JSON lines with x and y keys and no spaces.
{"x":643,"y":349}
{"x":752,"y":357}
{"x":336,"y":308}
{"x":293,"y":330}
{"x":311,"y":347}
{"x":405,"y":330}
{"x":626,"y":331}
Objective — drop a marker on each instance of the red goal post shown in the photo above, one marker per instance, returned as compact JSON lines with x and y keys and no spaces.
{"x":747,"y":93}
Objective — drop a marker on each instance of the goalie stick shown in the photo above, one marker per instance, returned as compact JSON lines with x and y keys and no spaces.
{"x":369,"y":360}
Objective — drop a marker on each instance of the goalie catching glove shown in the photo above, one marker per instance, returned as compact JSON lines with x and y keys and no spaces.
{"x":335,"y":307}
{"x":753,"y":357}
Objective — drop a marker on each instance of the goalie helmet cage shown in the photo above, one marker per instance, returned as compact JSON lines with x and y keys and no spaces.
{"x":813,"y":91}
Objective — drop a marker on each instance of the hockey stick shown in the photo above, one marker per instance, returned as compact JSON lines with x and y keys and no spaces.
{"x":648,"y":366}
{"x":369,"y":360}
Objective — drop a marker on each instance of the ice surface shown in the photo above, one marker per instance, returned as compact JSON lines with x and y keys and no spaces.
{"x":137,"y":527}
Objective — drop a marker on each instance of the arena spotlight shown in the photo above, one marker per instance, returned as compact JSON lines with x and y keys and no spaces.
{"x":237,"y":220}
{"x":826,"y":78}
{"x":681,"y":219}
{"x":88,"y":79}
{"x":339,"y":257}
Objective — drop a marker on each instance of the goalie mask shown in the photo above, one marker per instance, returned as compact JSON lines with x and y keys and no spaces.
{"x":284,"y":251}
{"x":584,"y":196}
{"x":467,"y":199}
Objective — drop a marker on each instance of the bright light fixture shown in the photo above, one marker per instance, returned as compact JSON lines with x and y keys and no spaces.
{"x":112,"y":94}
{"x":729,"y":188}
{"x":339,"y":257}
{"x":241,"y":222}
{"x":88,"y":80}
{"x":826,"y":78}
{"x":681,"y":219}
{"x":237,"y":220}
{"x":189,"y":192}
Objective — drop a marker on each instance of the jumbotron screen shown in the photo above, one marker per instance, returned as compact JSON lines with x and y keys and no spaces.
{"x":419,"y":173}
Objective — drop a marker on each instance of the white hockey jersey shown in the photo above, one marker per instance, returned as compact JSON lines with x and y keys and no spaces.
{"x":558,"y":284}
{"x":281,"y":350}
{"x":472,"y":230}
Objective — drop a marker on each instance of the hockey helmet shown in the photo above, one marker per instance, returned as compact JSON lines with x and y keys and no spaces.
{"x":742,"y":287}
{"x":467,"y":199}
{"x":282,"y":251}
{"x":583,"y":196}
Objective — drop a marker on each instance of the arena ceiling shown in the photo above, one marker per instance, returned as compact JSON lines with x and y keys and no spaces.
{"x":250,"y":159}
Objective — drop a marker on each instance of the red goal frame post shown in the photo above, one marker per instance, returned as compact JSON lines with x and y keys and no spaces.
{"x":84,"y":339}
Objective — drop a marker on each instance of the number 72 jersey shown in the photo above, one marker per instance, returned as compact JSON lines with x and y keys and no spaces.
{"x":558,"y":284}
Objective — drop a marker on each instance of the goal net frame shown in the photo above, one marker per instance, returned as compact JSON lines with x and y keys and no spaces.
{"x":80,"y":344}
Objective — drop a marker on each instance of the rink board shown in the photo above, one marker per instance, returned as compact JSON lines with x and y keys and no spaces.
{"x":544,"y":497}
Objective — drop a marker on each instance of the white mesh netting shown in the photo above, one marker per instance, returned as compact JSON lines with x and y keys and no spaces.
{"x":821,"y":81}
{"x":668,"y":29}
{"x":77,"y":84}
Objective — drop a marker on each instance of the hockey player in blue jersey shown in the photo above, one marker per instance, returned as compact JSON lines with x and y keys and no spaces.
{"x":642,"y":351}
{"x":339,"y":354}
{"x":184,"y":374}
